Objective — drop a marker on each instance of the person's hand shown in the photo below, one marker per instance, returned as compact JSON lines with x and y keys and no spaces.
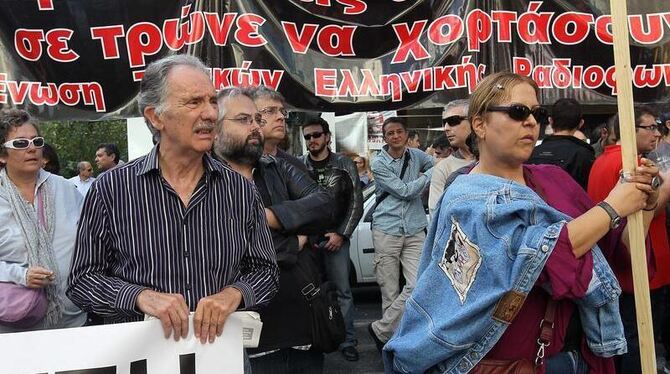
{"x":169,"y":308}
{"x":643,"y":175}
{"x":212,"y":311}
{"x":430,"y":151}
{"x":273,"y":222}
{"x":628,"y":197}
{"x":39,"y":277}
{"x":334,"y":242}
{"x":302,"y":240}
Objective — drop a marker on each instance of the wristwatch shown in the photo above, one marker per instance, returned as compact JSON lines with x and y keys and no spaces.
{"x":615,"y":219}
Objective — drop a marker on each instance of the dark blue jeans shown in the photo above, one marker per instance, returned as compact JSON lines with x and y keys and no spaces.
{"x":630,"y":362}
{"x":566,"y":363}
{"x":337,"y":271}
{"x":288,"y":361}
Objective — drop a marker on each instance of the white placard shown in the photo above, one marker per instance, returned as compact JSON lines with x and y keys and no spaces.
{"x":54,"y":351}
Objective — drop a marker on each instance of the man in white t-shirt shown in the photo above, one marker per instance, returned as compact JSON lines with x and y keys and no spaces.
{"x":457,"y":130}
{"x":84,"y":180}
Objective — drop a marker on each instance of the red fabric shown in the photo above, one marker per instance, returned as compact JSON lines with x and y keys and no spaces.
{"x":604,"y":176}
{"x":567,"y":276}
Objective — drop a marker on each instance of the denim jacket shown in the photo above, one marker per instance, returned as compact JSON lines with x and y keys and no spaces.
{"x":484,"y":252}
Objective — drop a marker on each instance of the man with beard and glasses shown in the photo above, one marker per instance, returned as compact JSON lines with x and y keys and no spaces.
{"x":295,"y":207}
{"x":338,"y":174}
{"x":197,"y":225}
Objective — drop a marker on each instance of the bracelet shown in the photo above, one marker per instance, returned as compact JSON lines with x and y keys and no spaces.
{"x":652,"y":208}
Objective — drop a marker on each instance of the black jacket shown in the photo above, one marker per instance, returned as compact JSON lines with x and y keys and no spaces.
{"x":343,"y":183}
{"x":571,"y":154}
{"x":299,"y":204}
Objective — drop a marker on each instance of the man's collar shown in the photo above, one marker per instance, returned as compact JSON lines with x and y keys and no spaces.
{"x":387,"y":155}
{"x":150,"y":163}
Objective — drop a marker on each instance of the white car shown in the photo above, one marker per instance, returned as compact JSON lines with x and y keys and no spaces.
{"x":361,"y":250}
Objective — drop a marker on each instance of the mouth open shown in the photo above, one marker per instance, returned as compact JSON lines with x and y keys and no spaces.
{"x":205,"y":132}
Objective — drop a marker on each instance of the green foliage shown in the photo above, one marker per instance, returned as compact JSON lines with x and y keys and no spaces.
{"x":76,"y":141}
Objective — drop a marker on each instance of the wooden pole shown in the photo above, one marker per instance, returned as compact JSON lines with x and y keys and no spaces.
{"x":629,"y":154}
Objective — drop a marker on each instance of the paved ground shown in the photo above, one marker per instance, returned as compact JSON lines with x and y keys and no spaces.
{"x":368,"y":309}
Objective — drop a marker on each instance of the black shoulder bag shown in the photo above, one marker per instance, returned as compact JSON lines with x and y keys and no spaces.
{"x":327,"y":323}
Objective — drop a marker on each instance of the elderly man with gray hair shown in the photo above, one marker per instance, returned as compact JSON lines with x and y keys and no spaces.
{"x":85,"y":177}
{"x":174,"y":231}
{"x":457,"y":130}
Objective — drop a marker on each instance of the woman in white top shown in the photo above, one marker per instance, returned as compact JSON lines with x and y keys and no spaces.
{"x":39,"y":212}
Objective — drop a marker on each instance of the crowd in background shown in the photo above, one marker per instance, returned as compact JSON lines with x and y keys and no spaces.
{"x":523,"y":259}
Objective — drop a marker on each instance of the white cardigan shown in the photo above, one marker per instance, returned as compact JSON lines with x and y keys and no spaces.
{"x":13,"y":253}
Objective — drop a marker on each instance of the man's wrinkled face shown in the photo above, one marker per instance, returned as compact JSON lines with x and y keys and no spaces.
{"x":87,"y":171}
{"x":240,"y":137}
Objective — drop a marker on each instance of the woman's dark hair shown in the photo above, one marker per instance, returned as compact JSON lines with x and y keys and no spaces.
{"x":49,"y":153}
{"x":11,"y":119}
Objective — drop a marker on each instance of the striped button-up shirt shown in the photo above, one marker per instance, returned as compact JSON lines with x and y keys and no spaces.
{"x":135,"y":234}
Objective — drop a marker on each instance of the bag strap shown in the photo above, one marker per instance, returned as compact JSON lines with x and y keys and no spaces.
{"x":405,"y":163}
{"x":308,"y":288}
{"x":546,"y":331}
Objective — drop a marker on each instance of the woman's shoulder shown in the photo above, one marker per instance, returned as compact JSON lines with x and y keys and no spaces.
{"x":64,"y":189}
{"x":553,"y":174}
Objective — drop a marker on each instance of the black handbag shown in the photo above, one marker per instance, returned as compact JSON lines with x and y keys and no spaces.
{"x":327,"y":323}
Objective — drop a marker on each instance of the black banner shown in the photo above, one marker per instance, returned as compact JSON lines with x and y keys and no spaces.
{"x":83,"y":59}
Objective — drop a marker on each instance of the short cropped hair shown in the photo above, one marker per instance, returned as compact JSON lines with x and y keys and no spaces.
{"x":398,"y":120}
{"x":317,"y":121}
{"x":566,"y":114}
{"x":110,"y":148}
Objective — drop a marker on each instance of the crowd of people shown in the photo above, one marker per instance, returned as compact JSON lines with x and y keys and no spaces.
{"x":524,"y":261}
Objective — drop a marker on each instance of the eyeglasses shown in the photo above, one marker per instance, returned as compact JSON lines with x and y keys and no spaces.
{"x":453,"y":120}
{"x":248,"y":120}
{"x":24,"y":143}
{"x":651,"y":128}
{"x":272,"y":110}
{"x":315,"y":135}
{"x":520,"y":112}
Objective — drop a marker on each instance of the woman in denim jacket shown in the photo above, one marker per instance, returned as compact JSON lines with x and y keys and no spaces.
{"x":503,"y":242}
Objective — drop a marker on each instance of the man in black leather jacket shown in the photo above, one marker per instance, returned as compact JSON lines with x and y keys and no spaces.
{"x":338,"y":174}
{"x":296,"y":206}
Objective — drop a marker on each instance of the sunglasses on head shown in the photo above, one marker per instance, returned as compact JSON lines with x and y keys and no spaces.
{"x":315,"y":135}
{"x":520,"y":112}
{"x":453,"y":120}
{"x":23,"y":143}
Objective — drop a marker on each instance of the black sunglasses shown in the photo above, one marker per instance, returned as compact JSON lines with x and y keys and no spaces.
{"x":520,"y":112}
{"x":453,"y":120}
{"x":315,"y":135}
